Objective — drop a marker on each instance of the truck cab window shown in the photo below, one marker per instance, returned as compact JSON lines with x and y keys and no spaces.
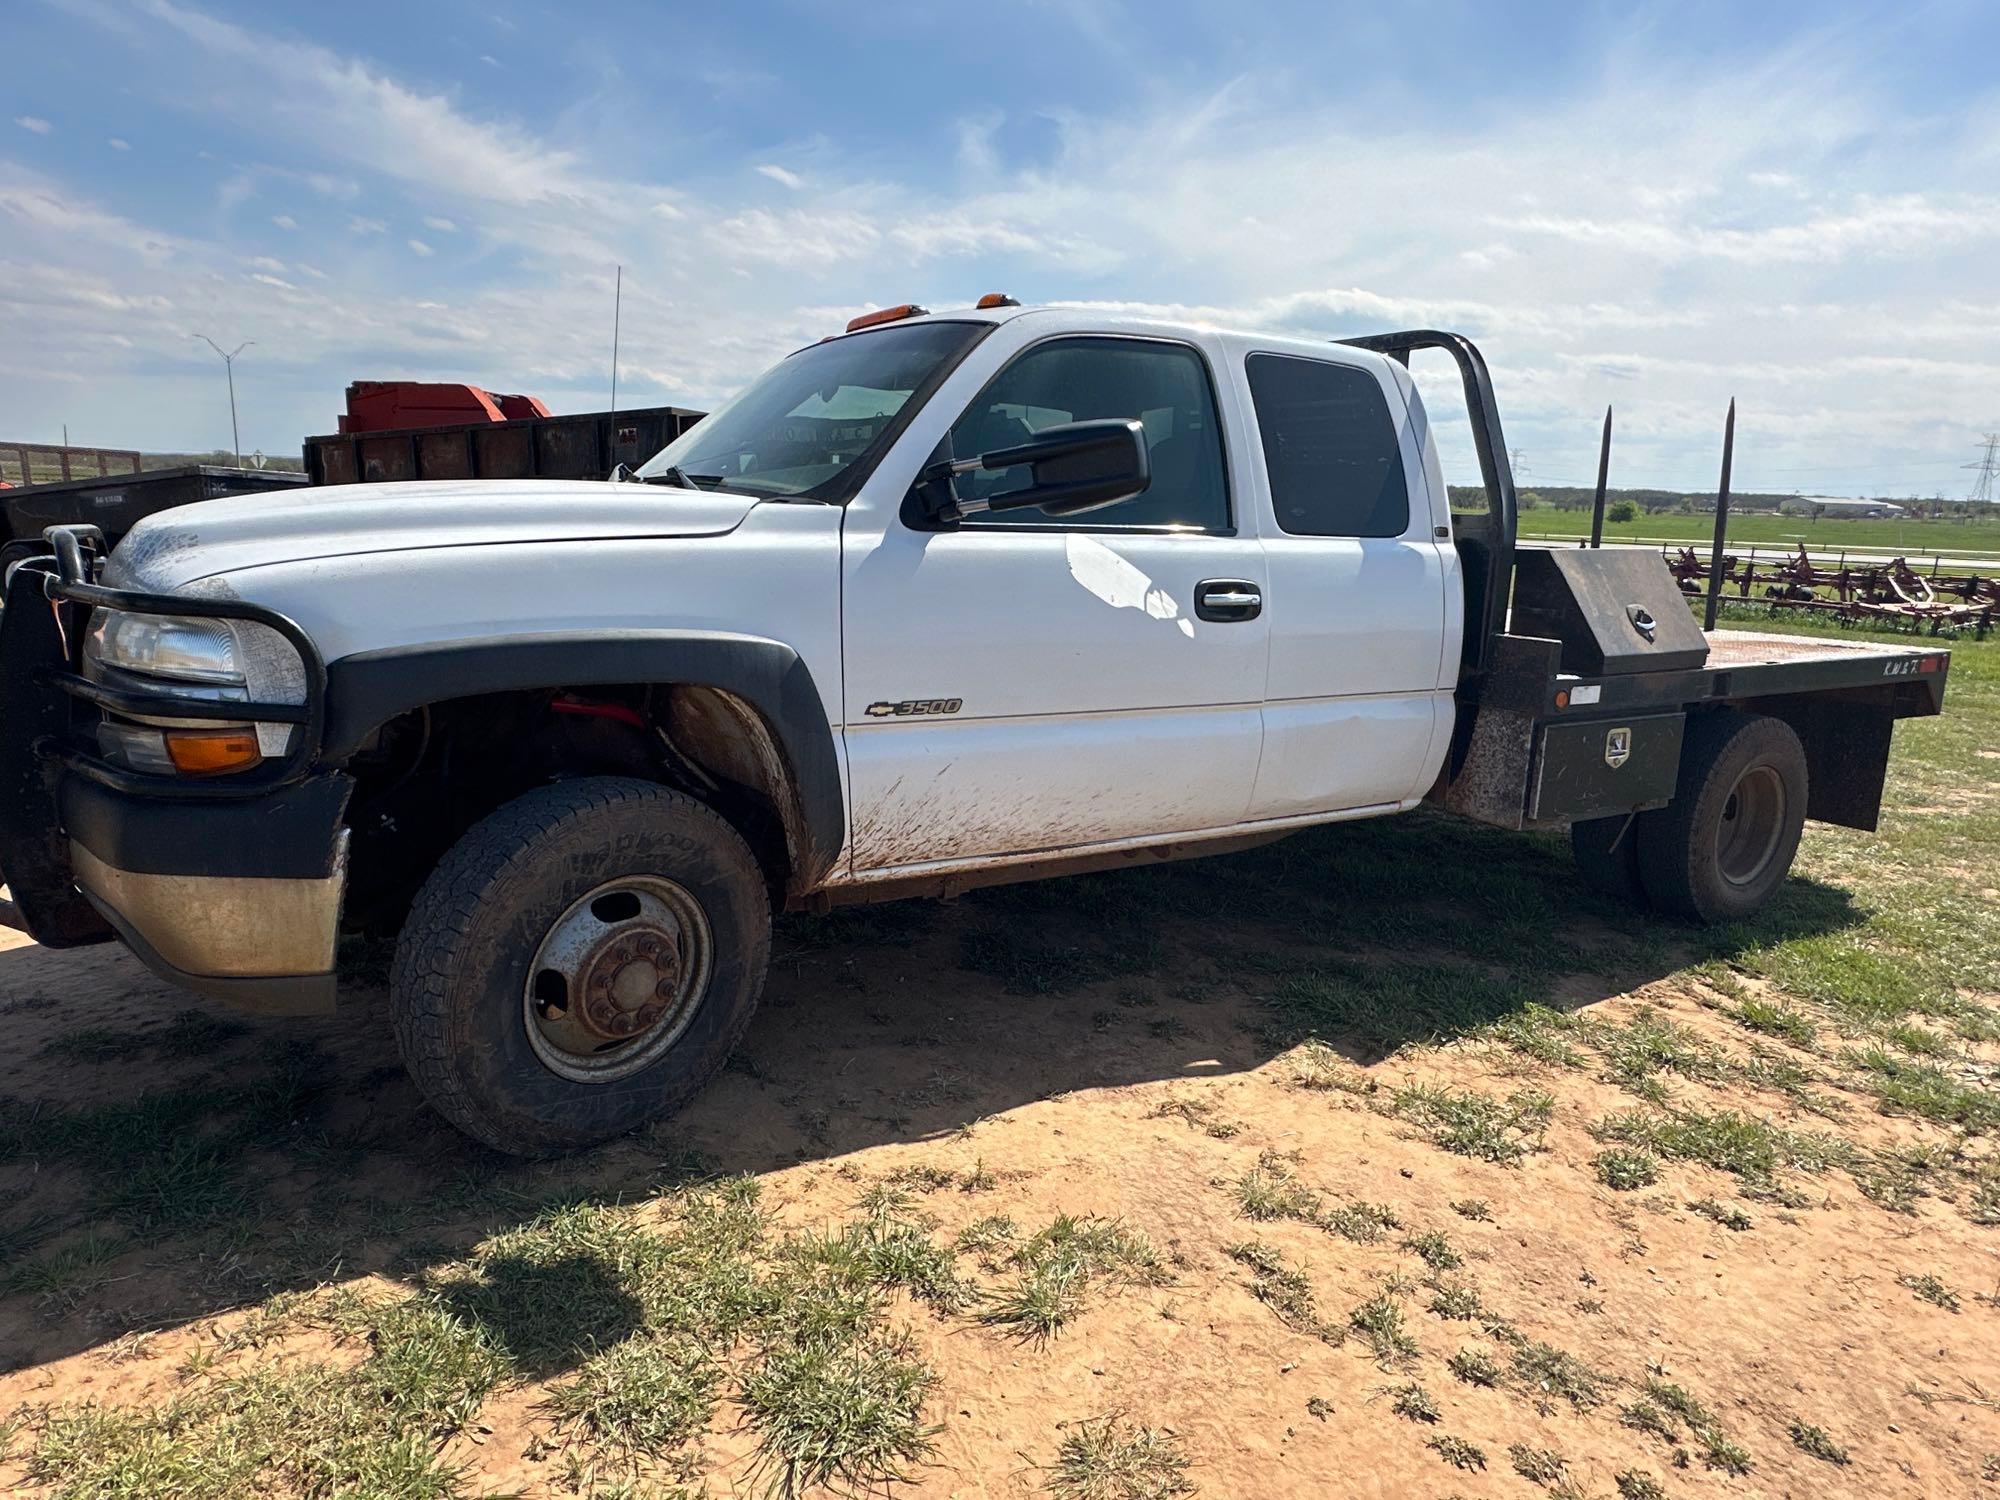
{"x":1330,"y":448}
{"x":813,"y":424}
{"x":1164,"y":385}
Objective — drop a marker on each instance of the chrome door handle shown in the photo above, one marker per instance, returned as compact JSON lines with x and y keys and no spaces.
{"x":1223,"y":600}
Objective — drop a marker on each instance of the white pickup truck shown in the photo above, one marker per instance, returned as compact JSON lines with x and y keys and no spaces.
{"x":941,"y":601}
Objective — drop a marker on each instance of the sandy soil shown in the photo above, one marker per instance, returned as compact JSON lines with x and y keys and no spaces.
{"x":870,"y":1058}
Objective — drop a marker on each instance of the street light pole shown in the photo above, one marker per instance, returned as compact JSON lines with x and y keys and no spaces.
{"x":229,"y":367}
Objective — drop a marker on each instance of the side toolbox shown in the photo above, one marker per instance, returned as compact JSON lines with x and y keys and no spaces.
{"x":1595,"y":767}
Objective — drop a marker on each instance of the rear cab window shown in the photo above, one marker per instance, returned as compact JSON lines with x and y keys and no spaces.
{"x":1331,"y":448}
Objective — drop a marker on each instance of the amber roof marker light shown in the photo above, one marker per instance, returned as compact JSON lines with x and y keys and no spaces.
{"x":997,"y":299}
{"x":886,"y":315}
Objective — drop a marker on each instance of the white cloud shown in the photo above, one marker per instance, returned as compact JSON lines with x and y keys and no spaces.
{"x":119,"y":143}
{"x":327,"y":100}
{"x":266,"y":263}
{"x":1769,"y":229}
{"x":441,"y":225}
{"x":33,"y":124}
{"x":278,"y":282}
{"x":419,"y":247}
{"x":285,"y":221}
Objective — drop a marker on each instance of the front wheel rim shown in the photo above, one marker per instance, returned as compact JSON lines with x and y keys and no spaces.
{"x":1752,"y":826}
{"x":617,"y":978}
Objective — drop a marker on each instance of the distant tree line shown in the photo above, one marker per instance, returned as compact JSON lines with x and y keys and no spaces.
{"x":1685,"y":502}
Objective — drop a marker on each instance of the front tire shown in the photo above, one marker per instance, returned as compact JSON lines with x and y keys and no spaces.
{"x":1722,"y":847}
{"x":580,"y":962}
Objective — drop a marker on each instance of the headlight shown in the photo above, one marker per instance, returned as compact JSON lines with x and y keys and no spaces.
{"x":229,"y":661}
{"x":172,"y":646}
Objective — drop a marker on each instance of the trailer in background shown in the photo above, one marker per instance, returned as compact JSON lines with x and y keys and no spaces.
{"x":117,"y":503}
{"x":585,"y":446}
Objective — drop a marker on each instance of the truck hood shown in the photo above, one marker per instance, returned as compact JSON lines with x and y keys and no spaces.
{"x":176,"y":547}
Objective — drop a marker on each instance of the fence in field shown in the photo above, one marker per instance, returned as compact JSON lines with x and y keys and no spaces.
{"x":45,"y":463}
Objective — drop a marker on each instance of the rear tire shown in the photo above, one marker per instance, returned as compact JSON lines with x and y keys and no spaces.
{"x":1606,"y":851}
{"x":1723,"y":846}
{"x":579,"y":963}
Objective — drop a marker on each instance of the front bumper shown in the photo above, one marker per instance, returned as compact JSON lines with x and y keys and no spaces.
{"x":245,"y":908}
{"x":230,"y":887}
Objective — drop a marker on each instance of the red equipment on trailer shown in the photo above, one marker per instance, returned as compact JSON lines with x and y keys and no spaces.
{"x":385,"y":405}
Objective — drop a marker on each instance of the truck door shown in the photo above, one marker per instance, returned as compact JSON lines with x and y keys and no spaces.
{"x":1018,"y":683}
{"x":1358,"y":707}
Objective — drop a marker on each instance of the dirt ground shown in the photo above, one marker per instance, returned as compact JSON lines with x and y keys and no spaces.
{"x":1382,"y":1161}
{"x":1148,"y":1097}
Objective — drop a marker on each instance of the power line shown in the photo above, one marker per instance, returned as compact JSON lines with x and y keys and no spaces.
{"x":1988,"y":467}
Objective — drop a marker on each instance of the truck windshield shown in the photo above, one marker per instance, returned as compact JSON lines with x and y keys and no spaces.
{"x":813,"y":425}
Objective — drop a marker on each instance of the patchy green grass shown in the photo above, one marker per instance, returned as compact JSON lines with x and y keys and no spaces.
{"x":1458,"y":1452}
{"x":1668,"y":1410}
{"x":1055,"y":1269}
{"x":1286,"y":1290}
{"x":1474,"y":1367}
{"x":1434,"y":1250}
{"x":1272,"y":1190}
{"x":1816,"y":1442}
{"x":1776,"y":1018}
{"x":1472,"y":1124}
{"x":1728,"y":1140}
{"x":1923,"y":1089}
{"x":1108,"y":1458}
{"x":1927,"y":1288}
{"x":1541,"y":1466}
{"x":1623,"y":1170}
{"x":1413,"y":1403}
{"x":1728,"y":1215}
{"x":1547,"y":1370}
{"x":1379,"y":1321}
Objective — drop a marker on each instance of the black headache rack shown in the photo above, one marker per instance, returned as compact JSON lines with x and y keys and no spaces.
{"x":1485,"y":543}
{"x":52,"y":710}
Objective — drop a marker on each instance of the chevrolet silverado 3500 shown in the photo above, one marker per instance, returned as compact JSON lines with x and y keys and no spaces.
{"x":942,"y":601}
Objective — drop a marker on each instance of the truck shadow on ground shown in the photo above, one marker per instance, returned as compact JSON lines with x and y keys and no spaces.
{"x":162,"y":1160}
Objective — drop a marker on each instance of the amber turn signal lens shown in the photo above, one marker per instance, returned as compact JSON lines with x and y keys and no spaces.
{"x":996,"y":299}
{"x":886,"y":315}
{"x":199,"y":752}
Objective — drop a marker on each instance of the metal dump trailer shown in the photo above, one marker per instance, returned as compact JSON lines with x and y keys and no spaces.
{"x":585,"y":446}
{"x":116,"y":503}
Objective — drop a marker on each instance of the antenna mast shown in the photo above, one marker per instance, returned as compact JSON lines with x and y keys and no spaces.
{"x":617,"y":305}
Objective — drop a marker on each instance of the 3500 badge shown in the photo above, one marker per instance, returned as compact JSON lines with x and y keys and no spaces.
{"x":912,"y":706}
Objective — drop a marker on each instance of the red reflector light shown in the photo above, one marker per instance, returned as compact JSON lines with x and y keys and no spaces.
{"x":1930,"y":664}
{"x":886,"y":315}
{"x":997,"y":299}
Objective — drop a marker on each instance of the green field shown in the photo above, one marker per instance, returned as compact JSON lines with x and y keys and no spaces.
{"x":1910,"y":537}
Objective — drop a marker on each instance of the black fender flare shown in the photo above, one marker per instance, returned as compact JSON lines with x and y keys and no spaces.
{"x":369,"y":688}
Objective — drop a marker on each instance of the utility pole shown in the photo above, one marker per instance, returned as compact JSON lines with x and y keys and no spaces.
{"x":229,"y":365}
{"x":617,"y":304}
{"x":1989,"y":469}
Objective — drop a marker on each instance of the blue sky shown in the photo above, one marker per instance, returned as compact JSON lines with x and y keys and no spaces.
{"x":1661,"y":206}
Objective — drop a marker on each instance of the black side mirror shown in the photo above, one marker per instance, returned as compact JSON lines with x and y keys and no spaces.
{"x":1076,"y":467}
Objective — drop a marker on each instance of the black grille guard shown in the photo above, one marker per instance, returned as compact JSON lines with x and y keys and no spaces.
{"x":68,"y":577}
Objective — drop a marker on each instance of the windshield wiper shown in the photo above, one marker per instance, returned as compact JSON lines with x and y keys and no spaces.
{"x":674,"y":474}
